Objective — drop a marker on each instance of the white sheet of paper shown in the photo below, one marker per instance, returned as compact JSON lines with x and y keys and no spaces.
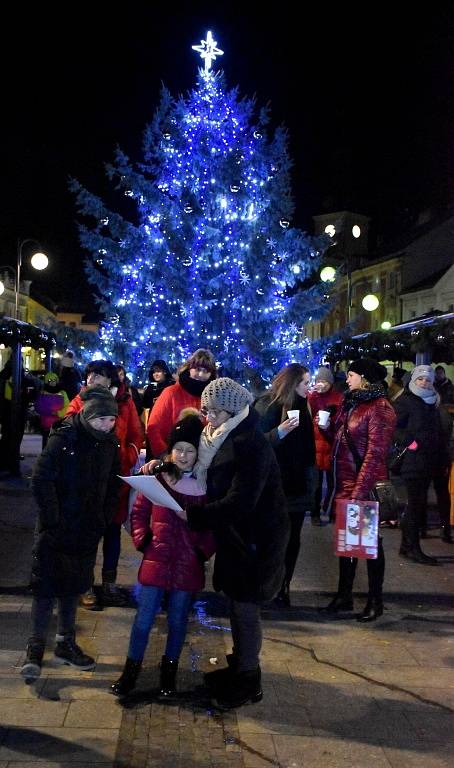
{"x":153,"y":490}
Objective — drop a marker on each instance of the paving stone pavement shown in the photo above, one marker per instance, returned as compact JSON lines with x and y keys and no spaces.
{"x":336,"y":693}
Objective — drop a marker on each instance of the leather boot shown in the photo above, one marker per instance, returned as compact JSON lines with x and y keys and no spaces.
{"x":167,"y":678}
{"x":127,"y":681}
{"x":242,"y":688}
{"x":446,"y":534}
{"x":339,"y":603}
{"x":372,"y":610}
{"x":418,"y":556}
{"x":218,"y":677}
{"x":111,"y":594}
{"x":283,"y":598}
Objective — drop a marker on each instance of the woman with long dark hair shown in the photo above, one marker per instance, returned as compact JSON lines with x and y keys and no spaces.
{"x":292,"y":438}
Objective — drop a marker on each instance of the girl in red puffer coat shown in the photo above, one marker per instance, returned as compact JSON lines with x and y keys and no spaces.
{"x":173,"y":558}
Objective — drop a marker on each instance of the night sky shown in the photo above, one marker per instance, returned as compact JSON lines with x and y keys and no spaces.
{"x":366,"y":93}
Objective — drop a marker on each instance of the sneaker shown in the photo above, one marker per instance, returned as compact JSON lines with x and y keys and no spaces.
{"x":31,"y":668}
{"x":68,"y":652}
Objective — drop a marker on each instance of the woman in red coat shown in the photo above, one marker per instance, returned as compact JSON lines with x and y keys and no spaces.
{"x":173,"y":558}
{"x":193,"y":377}
{"x":367,"y":421}
{"x":130,"y":434}
{"x":323,"y":398}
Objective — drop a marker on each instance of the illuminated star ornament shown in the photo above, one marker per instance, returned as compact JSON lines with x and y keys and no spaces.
{"x":208,"y":50}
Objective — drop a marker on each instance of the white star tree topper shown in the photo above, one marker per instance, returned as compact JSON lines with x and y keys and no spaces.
{"x":208,"y":50}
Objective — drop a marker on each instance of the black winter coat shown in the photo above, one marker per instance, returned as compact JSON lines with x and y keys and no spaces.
{"x":75,"y":485}
{"x":247,"y":513}
{"x":417,"y":420}
{"x":297,"y":449}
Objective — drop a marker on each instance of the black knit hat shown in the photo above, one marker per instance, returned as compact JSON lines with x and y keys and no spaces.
{"x":369,"y":368}
{"x":98,"y":401}
{"x":187,"y":430}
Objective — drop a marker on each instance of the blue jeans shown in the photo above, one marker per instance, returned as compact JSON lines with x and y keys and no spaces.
{"x":149,"y":604}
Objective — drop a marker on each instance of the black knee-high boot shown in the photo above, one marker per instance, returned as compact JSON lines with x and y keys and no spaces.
{"x":167,"y":678}
{"x":343,"y":600}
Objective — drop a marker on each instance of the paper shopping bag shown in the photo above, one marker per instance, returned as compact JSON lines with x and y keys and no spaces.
{"x":356,"y":531}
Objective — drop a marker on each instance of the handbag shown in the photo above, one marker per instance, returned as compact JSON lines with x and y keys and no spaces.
{"x":382,"y":491}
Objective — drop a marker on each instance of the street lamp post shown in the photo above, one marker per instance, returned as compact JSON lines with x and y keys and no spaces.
{"x":39,"y":261}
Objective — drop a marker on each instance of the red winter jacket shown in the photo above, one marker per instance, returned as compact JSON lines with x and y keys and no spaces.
{"x":165,"y":413}
{"x":371,"y":426}
{"x":321,"y":402}
{"x":130,"y":433}
{"x":173,"y":555}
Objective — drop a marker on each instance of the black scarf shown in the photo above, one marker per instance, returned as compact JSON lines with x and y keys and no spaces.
{"x":193,"y":386}
{"x":356,"y":396}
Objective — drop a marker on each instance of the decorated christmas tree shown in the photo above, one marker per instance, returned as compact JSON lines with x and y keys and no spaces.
{"x":209,"y":258}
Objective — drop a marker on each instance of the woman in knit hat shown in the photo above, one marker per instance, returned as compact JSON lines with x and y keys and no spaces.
{"x":173,"y":558}
{"x":364,"y":429}
{"x":421,"y":423}
{"x":323,"y":398}
{"x":286,"y":420}
{"x":246,"y":511}
{"x":75,"y":486}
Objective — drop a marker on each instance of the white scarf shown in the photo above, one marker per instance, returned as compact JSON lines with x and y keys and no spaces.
{"x":210,"y":442}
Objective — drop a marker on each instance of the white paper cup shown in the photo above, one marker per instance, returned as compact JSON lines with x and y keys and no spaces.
{"x":323,"y":418}
{"x":294,"y":415}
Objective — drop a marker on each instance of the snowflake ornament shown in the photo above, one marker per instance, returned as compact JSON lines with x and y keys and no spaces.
{"x":149,"y":287}
{"x":244,"y":278}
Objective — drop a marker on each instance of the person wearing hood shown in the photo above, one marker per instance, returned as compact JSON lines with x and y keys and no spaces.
{"x":130,"y":434}
{"x":160,"y":378}
{"x":193,"y":376}
{"x":365,"y":421}
{"x":420,"y":425}
{"x":75,"y":486}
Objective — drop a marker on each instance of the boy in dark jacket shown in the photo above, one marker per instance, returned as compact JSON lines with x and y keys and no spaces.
{"x":75,"y":485}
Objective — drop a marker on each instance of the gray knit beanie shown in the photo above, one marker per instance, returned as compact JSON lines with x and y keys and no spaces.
{"x":324,"y":374}
{"x":425,"y":371}
{"x":226,"y":395}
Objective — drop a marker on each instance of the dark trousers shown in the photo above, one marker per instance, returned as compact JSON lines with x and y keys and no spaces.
{"x":319,"y":490}
{"x":297,"y":506}
{"x":375,"y":574}
{"x":42,"y":608}
{"x":415,"y":515}
{"x":246,"y":625}
{"x":111,"y":546}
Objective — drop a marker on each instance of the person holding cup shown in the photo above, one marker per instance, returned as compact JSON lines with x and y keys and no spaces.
{"x":324,"y":402}
{"x":286,"y":420}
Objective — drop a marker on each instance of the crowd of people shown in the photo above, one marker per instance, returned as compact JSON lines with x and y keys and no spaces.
{"x":241,"y":475}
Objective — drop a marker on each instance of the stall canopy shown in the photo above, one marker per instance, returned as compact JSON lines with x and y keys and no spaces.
{"x":13,"y":332}
{"x":430,"y":337}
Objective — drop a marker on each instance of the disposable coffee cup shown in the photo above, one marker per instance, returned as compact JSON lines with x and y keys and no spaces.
{"x":294,"y":414}
{"x":323,"y":418}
